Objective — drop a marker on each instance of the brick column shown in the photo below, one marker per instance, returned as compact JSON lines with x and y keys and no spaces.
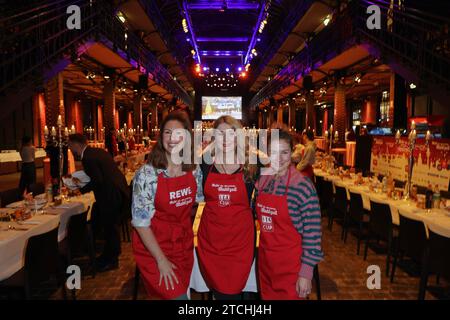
{"x":269,"y":118}
{"x":39,"y":119}
{"x":165,"y":111}
{"x":369,"y":111}
{"x":54,"y":100}
{"x":280,"y":110}
{"x":292,"y":109}
{"x":325,"y":121}
{"x":110,"y":114}
{"x":100,"y":122}
{"x":260,"y":119}
{"x":340,"y":111}
{"x":390,"y":122}
{"x":137,"y":110}
{"x":310,"y":120}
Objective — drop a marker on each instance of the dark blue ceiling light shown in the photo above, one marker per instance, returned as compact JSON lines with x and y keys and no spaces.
{"x":222,"y":39}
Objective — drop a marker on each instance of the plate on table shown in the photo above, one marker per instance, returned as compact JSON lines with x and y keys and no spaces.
{"x":15,"y":205}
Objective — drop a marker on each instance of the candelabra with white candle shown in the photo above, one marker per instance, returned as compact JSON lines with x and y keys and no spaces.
{"x":412,"y":136}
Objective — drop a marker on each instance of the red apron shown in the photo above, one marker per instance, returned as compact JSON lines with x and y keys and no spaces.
{"x":172,"y":227}
{"x":226,"y":235}
{"x":308,"y":171}
{"x":280,"y":248}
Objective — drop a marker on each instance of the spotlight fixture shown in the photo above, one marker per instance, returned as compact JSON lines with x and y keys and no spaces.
{"x":185,"y":26}
{"x":358,"y":78}
{"x":327,"y":20}
{"x":121,"y":16}
{"x":412,"y":86}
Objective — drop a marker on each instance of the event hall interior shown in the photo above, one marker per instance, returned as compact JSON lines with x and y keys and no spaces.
{"x":361,"y":87}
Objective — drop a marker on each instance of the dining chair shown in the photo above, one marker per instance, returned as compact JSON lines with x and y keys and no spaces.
{"x":42,"y":263}
{"x":412,"y":238}
{"x":319,"y":183}
{"x":340,"y":207}
{"x":80,"y":239}
{"x":435,"y":259}
{"x":326,"y":198}
{"x":381,"y":228}
{"x":357,"y":216}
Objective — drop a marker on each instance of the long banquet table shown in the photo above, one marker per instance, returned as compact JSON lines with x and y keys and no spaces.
{"x":437,"y":219}
{"x":13,"y":242}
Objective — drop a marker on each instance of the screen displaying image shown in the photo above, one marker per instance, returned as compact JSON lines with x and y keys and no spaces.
{"x":214,"y":107}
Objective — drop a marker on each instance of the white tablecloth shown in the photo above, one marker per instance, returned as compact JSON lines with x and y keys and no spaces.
{"x":15,"y":156}
{"x":438,"y":218}
{"x":13,"y":243}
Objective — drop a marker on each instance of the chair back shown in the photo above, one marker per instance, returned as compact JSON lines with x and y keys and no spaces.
{"x":380,"y":222}
{"x":77,"y":234}
{"x":340,"y":200}
{"x":356,"y":209}
{"x":412,"y":238}
{"x":439,"y":257}
{"x":42,"y":256}
{"x":327,"y":194}
{"x":319,"y":183}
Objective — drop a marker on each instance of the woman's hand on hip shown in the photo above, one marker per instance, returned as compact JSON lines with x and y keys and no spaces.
{"x":303,"y":287}
{"x":166,"y":272}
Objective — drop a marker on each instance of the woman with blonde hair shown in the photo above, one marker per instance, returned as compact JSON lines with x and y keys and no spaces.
{"x":226,"y":235}
{"x":164,"y":193}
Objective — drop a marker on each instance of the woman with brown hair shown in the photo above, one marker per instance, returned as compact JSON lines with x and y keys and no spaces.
{"x":288,"y":213}
{"x":226,"y":235}
{"x":164,"y":193}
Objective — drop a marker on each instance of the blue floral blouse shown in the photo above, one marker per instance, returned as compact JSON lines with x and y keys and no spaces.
{"x":145,"y":183}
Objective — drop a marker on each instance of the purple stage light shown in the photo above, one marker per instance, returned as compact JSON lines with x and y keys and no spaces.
{"x":227,"y":69}
{"x":217,"y":69}
{"x":240,"y":69}
{"x":222,"y":39}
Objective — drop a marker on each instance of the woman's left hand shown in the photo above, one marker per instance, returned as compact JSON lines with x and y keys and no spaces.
{"x":303,"y":287}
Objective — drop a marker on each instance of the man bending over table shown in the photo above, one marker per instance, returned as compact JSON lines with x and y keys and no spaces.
{"x":112,"y":195}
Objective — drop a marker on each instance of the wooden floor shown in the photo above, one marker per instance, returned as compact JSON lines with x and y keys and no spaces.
{"x":343,"y":275}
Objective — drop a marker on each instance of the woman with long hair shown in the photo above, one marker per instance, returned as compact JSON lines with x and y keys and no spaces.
{"x":164,"y":193}
{"x":288,"y":213}
{"x":226,"y":234}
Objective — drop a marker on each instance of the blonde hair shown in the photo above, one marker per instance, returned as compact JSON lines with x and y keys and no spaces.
{"x":250,"y":170}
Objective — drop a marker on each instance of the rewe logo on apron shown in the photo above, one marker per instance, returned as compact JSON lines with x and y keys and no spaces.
{"x":181,"y":197}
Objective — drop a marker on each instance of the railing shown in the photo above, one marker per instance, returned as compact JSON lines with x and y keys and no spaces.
{"x":152,"y":10}
{"x":35,"y":39}
{"x":288,"y":24}
{"x":415,"y":38}
{"x":411,"y":42}
{"x":315,"y":53}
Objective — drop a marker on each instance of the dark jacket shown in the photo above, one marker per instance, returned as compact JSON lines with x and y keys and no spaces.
{"x":110,"y":187}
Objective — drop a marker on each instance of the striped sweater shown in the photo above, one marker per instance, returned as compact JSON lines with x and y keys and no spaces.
{"x":304,"y":209}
